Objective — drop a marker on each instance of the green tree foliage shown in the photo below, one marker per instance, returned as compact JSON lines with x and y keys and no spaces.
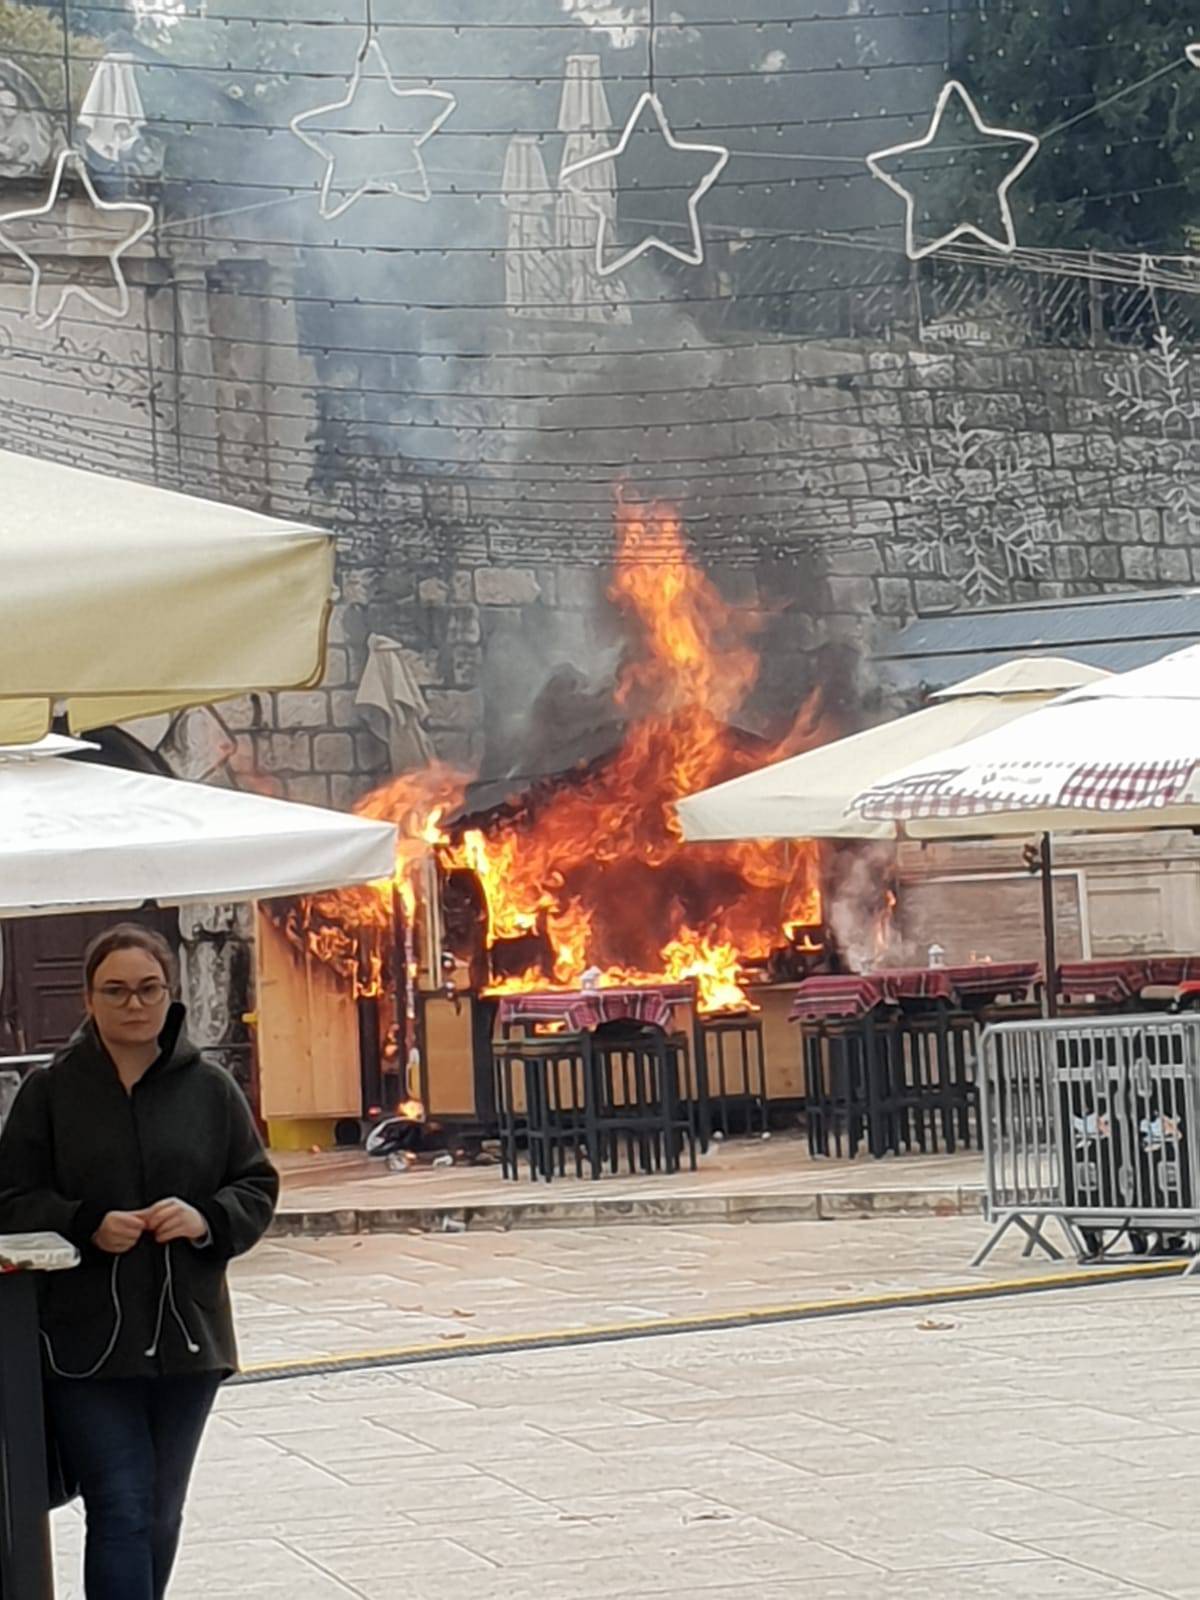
{"x":32,"y":37}
{"x":1126,"y":176}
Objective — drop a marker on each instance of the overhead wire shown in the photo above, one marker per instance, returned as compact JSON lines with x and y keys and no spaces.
{"x":1054,"y":263}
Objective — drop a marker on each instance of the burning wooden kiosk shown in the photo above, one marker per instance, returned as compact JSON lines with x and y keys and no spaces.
{"x":583,"y":875}
{"x":386,"y":998}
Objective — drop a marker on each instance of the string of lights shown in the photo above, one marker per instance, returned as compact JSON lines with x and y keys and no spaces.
{"x":673,"y":23}
{"x":745,"y":534}
{"x":510,"y":488}
{"x":123,"y":434}
{"x":296,"y":193}
{"x":1169,"y":273}
{"x":1135,"y":268}
{"x":507,"y":80}
{"x":861,"y":394}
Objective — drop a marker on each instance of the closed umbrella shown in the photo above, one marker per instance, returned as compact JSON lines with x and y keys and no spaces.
{"x":120,"y":600}
{"x":808,"y":796}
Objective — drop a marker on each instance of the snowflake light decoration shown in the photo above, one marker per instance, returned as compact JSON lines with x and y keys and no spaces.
{"x":1157,"y":392}
{"x":977,"y":520}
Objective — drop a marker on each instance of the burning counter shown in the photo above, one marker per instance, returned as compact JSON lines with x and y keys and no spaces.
{"x":386,"y":994}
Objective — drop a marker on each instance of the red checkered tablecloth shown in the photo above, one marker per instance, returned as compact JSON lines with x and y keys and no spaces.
{"x":1108,"y":981}
{"x":1173,"y":969}
{"x":854,"y":994}
{"x":851,"y":995}
{"x":987,"y":980}
{"x":584,"y":1009}
{"x":916,"y":983}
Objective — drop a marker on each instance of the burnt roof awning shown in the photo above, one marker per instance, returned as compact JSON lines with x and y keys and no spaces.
{"x":555,"y":760}
{"x":564,"y":762}
{"x":1117,"y":632}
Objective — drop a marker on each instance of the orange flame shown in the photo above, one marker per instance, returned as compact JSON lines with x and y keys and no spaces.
{"x":598,"y":864}
{"x":347,"y":928}
{"x":594,"y":868}
{"x":885,"y":927}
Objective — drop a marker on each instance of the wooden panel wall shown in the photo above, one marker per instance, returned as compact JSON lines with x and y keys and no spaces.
{"x":308,"y":1049}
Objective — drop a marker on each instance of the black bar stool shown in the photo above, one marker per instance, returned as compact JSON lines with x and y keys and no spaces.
{"x":848,"y":1067}
{"x":636,"y":1098}
{"x":933,"y":1095}
{"x":735,"y":1073}
{"x":553,"y":1075}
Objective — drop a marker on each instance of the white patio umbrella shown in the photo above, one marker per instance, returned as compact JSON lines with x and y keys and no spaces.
{"x":119,"y":600}
{"x":808,"y":796}
{"x":75,"y":836}
{"x":1122,"y":753}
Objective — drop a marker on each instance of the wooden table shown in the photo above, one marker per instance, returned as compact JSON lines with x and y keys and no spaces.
{"x":26,"y":1572}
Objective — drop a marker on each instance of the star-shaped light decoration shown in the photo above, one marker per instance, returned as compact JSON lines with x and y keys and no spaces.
{"x":693,"y":256}
{"x":441,"y":104}
{"x":20,"y":241}
{"x":1193,"y":54}
{"x":1007,"y":242}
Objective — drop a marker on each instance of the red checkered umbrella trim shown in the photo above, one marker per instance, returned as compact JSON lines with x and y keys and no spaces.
{"x":1128,"y":787}
{"x":1099,"y":786}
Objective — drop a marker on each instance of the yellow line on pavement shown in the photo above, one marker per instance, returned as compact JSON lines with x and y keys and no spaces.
{"x":453,"y":1348}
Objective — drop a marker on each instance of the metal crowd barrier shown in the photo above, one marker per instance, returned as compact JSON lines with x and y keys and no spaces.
{"x":1093,"y":1123}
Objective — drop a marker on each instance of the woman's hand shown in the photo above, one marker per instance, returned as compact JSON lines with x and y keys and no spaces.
{"x":119,"y":1232}
{"x":174,"y":1219}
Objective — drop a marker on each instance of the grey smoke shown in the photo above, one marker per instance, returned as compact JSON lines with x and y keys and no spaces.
{"x":857,"y":903}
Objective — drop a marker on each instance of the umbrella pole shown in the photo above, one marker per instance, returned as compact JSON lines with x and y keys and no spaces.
{"x":1047,"y":868}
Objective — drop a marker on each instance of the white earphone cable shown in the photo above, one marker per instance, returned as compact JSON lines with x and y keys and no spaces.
{"x":166,"y":1300}
{"x":118,"y":1321}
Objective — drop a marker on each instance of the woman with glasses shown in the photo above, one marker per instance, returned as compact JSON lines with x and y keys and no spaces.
{"x":146,"y":1157}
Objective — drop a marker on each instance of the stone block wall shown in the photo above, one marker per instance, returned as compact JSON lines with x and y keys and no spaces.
{"x":926,"y":477}
{"x":917,"y":476}
{"x":311,"y":744}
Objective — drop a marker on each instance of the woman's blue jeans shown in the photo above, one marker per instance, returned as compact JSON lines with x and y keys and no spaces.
{"x":130,"y":1444}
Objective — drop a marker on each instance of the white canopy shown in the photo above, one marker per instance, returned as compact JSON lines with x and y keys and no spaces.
{"x":808,"y":796}
{"x":120,"y":600}
{"x":75,"y":836}
{"x":1120,"y":753}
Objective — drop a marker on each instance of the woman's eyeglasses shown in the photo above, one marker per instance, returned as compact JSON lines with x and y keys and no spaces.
{"x":150,"y":993}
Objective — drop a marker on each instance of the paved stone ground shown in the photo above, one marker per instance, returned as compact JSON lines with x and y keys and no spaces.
{"x":315,"y":1297}
{"x":1044,"y":1447}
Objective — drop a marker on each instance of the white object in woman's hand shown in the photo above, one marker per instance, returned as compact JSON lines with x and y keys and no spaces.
{"x":174,"y":1219}
{"x":119,"y":1232}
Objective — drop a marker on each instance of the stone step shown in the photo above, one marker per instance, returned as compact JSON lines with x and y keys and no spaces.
{"x":668,"y":1210}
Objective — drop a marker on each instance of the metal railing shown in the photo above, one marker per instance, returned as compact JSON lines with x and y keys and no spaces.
{"x":1093,"y":1123}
